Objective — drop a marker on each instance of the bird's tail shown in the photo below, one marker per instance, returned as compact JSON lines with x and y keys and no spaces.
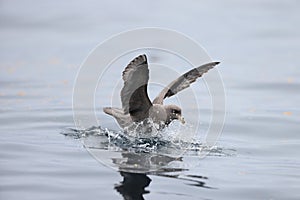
{"x":113,"y":111}
{"x":107,"y":110}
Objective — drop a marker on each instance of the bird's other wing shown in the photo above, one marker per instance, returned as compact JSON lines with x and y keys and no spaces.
{"x":183,"y":82}
{"x":134,"y":97}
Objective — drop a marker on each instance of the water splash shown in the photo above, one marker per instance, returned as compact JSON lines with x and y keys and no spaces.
{"x":169,"y":150}
{"x":173,"y":140}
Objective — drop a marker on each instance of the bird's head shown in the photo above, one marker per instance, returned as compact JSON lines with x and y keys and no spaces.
{"x":174,"y":113}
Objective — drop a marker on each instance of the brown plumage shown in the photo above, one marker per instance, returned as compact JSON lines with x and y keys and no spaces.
{"x":136,"y":105}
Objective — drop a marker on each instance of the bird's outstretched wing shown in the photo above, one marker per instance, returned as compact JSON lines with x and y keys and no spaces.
{"x":134,"y":97}
{"x":183,"y":82}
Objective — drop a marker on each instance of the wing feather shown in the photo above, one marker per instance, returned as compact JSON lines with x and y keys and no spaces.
{"x":134,"y":96}
{"x":183,"y":82}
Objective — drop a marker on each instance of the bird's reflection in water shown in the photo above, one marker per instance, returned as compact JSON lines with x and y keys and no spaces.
{"x":133,"y":186}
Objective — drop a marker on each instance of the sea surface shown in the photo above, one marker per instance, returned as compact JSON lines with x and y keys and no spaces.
{"x":43,"y":155}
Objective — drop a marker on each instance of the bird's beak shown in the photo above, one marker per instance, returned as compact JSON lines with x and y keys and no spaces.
{"x":181,"y":119}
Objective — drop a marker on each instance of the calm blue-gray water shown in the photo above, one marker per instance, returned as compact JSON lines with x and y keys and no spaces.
{"x":42,"y":46}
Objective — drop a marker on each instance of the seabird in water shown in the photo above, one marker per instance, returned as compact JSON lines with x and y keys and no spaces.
{"x":136,"y":105}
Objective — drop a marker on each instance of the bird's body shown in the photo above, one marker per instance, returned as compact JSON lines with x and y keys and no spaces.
{"x":157,"y":115}
{"x":136,"y":105}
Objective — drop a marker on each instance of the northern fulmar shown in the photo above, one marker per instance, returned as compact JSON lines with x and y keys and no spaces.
{"x":136,"y":105}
